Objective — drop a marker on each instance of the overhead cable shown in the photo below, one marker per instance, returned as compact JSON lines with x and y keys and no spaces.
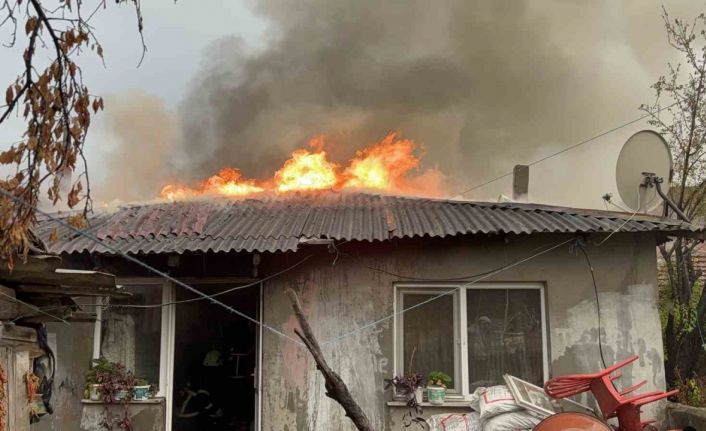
{"x":569,"y":148}
{"x":448,"y":292}
{"x":145,"y":265}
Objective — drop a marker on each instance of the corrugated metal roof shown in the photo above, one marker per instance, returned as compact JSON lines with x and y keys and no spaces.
{"x":271,"y":225}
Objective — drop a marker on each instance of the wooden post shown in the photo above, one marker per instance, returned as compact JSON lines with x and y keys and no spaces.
{"x":336,"y":389}
{"x":16,"y":364}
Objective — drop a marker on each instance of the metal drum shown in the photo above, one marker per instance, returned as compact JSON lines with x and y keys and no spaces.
{"x":572,"y":421}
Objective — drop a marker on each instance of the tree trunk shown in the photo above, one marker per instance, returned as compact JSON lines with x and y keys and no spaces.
{"x":689,"y":355}
{"x":670,"y":352}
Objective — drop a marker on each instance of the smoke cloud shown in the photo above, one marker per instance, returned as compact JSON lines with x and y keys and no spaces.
{"x":482,"y":85}
{"x":144,"y":133}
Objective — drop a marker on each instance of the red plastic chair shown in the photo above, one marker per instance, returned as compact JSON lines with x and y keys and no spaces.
{"x":613,"y":403}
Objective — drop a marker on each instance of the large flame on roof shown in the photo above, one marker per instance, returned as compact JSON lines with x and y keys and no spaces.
{"x":227,"y":182}
{"x":389,"y":166}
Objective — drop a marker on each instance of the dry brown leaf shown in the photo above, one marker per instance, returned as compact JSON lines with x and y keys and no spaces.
{"x":30,"y":24}
{"x":74,"y":195}
{"x":9,"y":95}
{"x":78,"y":221}
{"x":54,"y":235}
{"x":7,"y":157}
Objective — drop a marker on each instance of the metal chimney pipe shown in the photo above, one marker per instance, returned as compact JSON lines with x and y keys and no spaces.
{"x":520,"y":183}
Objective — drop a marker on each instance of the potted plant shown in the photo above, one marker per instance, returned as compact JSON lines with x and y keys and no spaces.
{"x":141,"y":390}
{"x":437,"y":383}
{"x":109,"y":381}
{"x":124,"y":383}
{"x":96,"y":374}
{"x":408,"y":386}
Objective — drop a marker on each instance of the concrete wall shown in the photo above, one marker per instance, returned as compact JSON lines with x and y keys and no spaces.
{"x":680,"y":416}
{"x":339,"y":294}
{"x":144,"y":416}
{"x":74,"y":349}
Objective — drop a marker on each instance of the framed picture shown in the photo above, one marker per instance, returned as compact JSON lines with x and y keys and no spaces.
{"x":533,"y":398}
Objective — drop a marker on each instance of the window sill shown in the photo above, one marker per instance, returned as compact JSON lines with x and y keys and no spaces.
{"x":150,"y":401}
{"x":456,"y":404}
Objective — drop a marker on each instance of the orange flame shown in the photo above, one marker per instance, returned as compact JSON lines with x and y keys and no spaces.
{"x":382,"y":166}
{"x":228,"y":182}
{"x":387,"y":166}
{"x":306,"y":171}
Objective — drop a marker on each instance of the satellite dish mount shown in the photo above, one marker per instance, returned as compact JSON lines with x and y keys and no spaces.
{"x":652,"y":180}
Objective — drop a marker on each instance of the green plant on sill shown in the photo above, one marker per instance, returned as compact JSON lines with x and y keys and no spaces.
{"x":99,"y":366}
{"x":114,"y":379}
{"x":438,"y":378}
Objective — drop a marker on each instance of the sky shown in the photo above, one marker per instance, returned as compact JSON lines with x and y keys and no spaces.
{"x":481,"y":85}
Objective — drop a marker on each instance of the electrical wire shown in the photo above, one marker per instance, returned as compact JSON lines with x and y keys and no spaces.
{"x":145,"y":265}
{"x":625,"y":222}
{"x":598,"y":303}
{"x":448,"y":292}
{"x":201,"y":298}
{"x":576,"y":145}
{"x":33,"y":307}
{"x":274,"y":330}
{"x":245,"y":316}
{"x":413,"y":278}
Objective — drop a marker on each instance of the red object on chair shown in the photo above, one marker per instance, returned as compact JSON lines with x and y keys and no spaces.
{"x":613,"y":403}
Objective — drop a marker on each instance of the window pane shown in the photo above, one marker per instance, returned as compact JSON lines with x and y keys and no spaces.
{"x":504,"y":336}
{"x":428,"y":335}
{"x":132,"y":336}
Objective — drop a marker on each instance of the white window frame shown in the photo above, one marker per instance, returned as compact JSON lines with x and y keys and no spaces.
{"x":166,"y":350}
{"x":460,"y":339}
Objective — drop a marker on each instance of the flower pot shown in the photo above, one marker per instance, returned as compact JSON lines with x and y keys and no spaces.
{"x":141,"y":393}
{"x":419,"y":395}
{"x":94,"y":392}
{"x":436,"y":395}
{"x":120,"y":395}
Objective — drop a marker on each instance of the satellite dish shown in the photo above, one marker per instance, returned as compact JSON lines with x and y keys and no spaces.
{"x":644,"y":157}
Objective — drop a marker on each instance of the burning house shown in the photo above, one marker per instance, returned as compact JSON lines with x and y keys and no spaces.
{"x":390,"y":285}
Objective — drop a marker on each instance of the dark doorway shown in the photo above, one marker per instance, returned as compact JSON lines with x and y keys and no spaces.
{"x":215,"y":358}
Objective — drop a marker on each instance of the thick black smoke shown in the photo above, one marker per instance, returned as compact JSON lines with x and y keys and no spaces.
{"x":480,"y":84}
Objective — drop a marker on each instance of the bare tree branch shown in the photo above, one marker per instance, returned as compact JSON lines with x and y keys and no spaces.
{"x":52,"y":99}
{"x":684,"y":128}
{"x":336,"y":388}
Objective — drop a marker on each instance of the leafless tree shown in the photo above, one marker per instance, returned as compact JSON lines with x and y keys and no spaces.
{"x":51,"y":98}
{"x":684,"y":127}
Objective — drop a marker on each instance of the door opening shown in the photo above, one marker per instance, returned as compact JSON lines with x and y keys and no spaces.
{"x":215,"y":360}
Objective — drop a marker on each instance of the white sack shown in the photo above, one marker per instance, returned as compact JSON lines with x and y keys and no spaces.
{"x":455,"y":422}
{"x":512,"y":421}
{"x":496,"y":400}
{"x":475,"y":398}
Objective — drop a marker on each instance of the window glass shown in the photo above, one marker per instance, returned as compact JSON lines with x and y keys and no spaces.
{"x":504,"y":335}
{"x":132,"y":336}
{"x":428,"y":330}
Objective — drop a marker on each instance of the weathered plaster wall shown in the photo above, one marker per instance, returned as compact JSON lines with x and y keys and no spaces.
{"x":74,"y":349}
{"x":144,"y":416}
{"x":340,"y":293}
